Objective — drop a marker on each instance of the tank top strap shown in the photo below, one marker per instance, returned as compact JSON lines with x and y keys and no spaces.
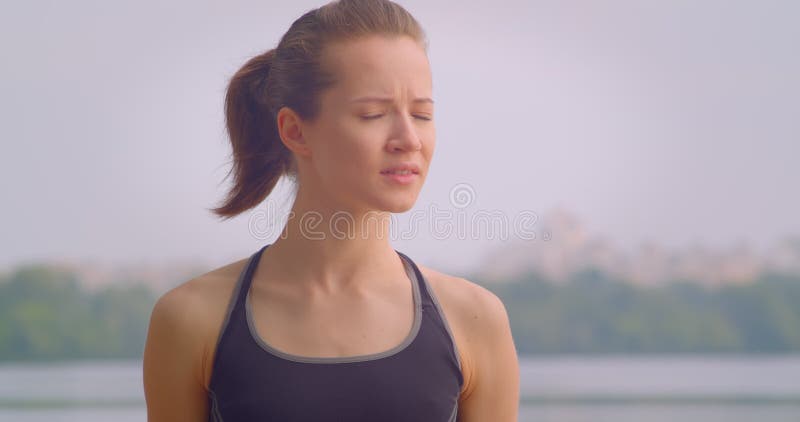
{"x":246,"y":278}
{"x":236,"y":308}
{"x":417,"y":277}
{"x":431,"y":305}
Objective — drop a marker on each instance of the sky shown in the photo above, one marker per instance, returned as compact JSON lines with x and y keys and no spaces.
{"x":668,"y":121}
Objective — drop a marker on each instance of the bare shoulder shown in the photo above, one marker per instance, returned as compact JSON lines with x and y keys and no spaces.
{"x":180,"y":340}
{"x":205,"y":287}
{"x":196,"y":309}
{"x":490,"y":366}
{"x":473,"y":313}
{"x":466,"y":298}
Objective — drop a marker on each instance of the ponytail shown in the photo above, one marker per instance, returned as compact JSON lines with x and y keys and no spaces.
{"x":259,"y":156}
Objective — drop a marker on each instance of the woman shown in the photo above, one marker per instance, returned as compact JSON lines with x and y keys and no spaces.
{"x":329,"y":322}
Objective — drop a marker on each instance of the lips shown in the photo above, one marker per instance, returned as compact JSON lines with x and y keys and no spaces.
{"x":407,"y":168}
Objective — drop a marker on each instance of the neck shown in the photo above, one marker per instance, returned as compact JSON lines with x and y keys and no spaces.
{"x":328,"y":250}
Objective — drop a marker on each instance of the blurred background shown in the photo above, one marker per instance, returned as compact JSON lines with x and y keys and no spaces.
{"x":621,"y":173}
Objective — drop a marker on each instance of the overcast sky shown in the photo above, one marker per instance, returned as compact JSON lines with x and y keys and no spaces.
{"x":670,"y":121}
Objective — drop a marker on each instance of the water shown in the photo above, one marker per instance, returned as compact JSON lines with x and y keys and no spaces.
{"x":563,"y":389}
{"x":660,"y":388}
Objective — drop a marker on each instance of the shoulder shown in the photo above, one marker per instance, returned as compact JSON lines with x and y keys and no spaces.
{"x":189,"y":316}
{"x":198,"y":298}
{"x":481,"y":328}
{"x":474,"y":313}
{"x":468,"y":299}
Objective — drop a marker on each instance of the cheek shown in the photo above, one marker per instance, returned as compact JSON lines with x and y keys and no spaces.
{"x":335,"y":143}
{"x":350,"y":156}
{"x":429,"y":142}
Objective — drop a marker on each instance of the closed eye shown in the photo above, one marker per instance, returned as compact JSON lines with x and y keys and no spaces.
{"x":377,"y":116}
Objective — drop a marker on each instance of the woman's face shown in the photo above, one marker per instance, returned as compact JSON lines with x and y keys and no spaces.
{"x":378,"y":115}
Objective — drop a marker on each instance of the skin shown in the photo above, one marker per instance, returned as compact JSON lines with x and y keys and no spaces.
{"x":330,"y":295}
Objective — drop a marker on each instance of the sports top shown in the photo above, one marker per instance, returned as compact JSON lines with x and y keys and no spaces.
{"x":417,"y":380}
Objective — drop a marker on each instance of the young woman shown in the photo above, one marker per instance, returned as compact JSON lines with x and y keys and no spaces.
{"x":329,"y":322}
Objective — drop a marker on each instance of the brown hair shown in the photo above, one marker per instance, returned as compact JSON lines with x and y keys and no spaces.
{"x":292,"y":75}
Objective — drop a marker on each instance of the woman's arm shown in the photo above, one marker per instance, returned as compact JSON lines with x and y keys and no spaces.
{"x":173,"y":355}
{"x":491,"y":391}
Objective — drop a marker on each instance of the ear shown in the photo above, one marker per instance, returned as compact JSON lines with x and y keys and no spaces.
{"x":290,"y":129}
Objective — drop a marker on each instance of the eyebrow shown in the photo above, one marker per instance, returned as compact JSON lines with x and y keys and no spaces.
{"x":388,"y":100}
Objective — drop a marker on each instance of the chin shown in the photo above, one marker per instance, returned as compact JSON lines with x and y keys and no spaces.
{"x":400,"y":209}
{"x":400,"y":205}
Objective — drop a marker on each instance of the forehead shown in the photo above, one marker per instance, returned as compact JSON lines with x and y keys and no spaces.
{"x":378,"y":65}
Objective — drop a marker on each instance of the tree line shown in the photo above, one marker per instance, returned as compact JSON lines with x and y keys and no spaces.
{"x":46,"y":314}
{"x":593,"y":313}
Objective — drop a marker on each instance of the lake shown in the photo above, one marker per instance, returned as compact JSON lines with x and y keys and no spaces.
{"x":559,"y":388}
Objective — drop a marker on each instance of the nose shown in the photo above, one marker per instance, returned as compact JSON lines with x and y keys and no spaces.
{"x":405,"y":135}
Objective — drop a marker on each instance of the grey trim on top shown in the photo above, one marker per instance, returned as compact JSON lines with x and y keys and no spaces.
{"x":231,"y":304}
{"x":439,"y":309}
{"x":213,"y":408}
{"x":346,"y":359}
{"x":213,"y":413}
{"x":454,"y":415}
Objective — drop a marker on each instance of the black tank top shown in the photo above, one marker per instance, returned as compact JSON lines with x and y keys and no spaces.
{"x":417,"y":380}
